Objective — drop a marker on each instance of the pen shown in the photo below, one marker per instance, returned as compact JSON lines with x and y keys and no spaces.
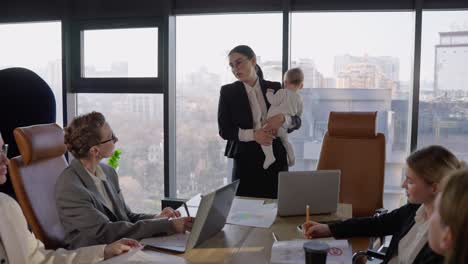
{"x":307,"y":213}
{"x":186,"y":209}
{"x":275,"y":238}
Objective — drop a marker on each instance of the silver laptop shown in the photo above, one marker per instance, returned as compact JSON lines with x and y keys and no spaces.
{"x":211,"y":217}
{"x":318,"y":189}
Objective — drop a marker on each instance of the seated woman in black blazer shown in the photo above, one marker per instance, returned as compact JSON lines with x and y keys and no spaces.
{"x":448,"y":226}
{"x":408,"y":224}
{"x":242,"y":121}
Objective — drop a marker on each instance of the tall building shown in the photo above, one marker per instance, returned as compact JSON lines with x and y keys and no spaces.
{"x":451,"y":73}
{"x":312,"y":77}
{"x":389,"y":66}
{"x":363,"y":75}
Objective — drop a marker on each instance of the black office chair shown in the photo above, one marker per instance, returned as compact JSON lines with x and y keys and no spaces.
{"x":25,"y":100}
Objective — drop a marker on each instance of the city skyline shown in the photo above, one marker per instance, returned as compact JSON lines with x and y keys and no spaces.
{"x":20,"y":37}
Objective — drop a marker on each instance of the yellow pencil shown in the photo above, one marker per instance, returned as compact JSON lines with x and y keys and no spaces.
{"x":307,"y":213}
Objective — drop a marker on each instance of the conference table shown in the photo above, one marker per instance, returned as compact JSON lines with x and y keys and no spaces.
{"x":242,"y":244}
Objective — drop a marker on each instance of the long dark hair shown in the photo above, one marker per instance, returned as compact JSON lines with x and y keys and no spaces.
{"x":250,"y":54}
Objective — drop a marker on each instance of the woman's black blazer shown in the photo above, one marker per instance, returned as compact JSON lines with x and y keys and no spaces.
{"x":234,"y":112}
{"x":396,"y":223}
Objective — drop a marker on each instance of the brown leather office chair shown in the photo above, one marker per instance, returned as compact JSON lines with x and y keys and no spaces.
{"x":34,"y":174}
{"x":352,"y":145}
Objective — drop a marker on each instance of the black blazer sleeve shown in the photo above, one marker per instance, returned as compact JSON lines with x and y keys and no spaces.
{"x":227,"y":129}
{"x":296,"y":123}
{"x":384,"y":225}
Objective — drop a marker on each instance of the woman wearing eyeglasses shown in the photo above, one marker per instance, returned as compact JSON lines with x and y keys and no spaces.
{"x":19,"y":246}
{"x":89,"y":200}
{"x":242,"y":121}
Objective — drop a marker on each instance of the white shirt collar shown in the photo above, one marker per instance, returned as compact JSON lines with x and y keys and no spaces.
{"x":256,"y":86}
{"x":420,"y":215}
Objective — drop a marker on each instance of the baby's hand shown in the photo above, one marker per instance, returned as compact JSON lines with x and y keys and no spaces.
{"x":270,"y":91}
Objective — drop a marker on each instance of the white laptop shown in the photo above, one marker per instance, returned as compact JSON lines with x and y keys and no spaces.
{"x":318,"y":189}
{"x":211,"y":217}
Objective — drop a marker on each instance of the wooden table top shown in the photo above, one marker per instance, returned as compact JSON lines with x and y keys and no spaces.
{"x":243,"y":245}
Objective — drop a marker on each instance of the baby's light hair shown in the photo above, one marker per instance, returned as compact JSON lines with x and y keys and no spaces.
{"x":294,"y":76}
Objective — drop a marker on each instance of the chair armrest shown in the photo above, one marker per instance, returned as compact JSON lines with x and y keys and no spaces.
{"x":172,"y":202}
{"x":380,"y":211}
{"x":370,"y":254}
{"x":375,"y":254}
{"x":359,"y":254}
{"x":381,"y":240}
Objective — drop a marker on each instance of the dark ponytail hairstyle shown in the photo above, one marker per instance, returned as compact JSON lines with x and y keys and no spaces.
{"x":250,"y":54}
{"x":259,"y":71}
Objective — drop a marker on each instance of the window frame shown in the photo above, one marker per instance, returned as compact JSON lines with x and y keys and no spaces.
{"x":80,"y":84}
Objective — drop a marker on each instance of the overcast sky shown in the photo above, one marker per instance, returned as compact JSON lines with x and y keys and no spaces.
{"x":203,"y":41}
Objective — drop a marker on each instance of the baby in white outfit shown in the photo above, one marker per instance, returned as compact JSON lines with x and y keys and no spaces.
{"x":286,"y":101}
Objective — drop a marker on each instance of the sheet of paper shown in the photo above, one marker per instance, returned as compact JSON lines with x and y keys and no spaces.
{"x":176,"y":240}
{"x":291,"y":252}
{"x":252,"y":213}
{"x":137,"y":256}
{"x":194,"y":201}
{"x":192,"y":210}
{"x":192,"y":206}
{"x":245,"y":203}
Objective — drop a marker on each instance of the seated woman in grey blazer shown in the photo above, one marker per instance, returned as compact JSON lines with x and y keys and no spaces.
{"x":18,"y":245}
{"x":89,"y":200}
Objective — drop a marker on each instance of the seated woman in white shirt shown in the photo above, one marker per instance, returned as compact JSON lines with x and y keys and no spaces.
{"x":19,"y":246}
{"x":408,"y":225}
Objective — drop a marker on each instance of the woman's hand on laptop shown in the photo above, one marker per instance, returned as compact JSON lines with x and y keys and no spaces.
{"x":169,"y":213}
{"x":313,"y":229}
{"x":182,"y":224}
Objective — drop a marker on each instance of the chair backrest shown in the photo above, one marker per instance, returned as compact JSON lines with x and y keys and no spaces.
{"x":352,"y":145}
{"x":26,"y":100}
{"x":34,"y":175}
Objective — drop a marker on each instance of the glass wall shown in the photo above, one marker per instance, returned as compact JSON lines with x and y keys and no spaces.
{"x":21,"y":46}
{"x":202,"y":45}
{"x":443,"y":98}
{"x":355,"y":61}
{"x":128,"y":52}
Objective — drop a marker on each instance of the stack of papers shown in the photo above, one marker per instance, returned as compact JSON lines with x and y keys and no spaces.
{"x":252,"y":213}
{"x":290,"y":252}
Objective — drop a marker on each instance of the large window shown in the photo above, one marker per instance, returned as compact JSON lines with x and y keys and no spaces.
{"x":117,"y":55}
{"x":137,"y":120}
{"x":355,"y":61}
{"x":202,"y":67}
{"x":20,"y":46}
{"x":130,"y":52}
{"x":443,"y":105}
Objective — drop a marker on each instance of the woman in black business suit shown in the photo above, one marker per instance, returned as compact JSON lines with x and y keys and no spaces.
{"x":409,"y":224}
{"x":242,"y":122}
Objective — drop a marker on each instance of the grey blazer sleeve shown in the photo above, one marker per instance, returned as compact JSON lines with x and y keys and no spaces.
{"x":134,"y":217}
{"x":86,"y":226}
